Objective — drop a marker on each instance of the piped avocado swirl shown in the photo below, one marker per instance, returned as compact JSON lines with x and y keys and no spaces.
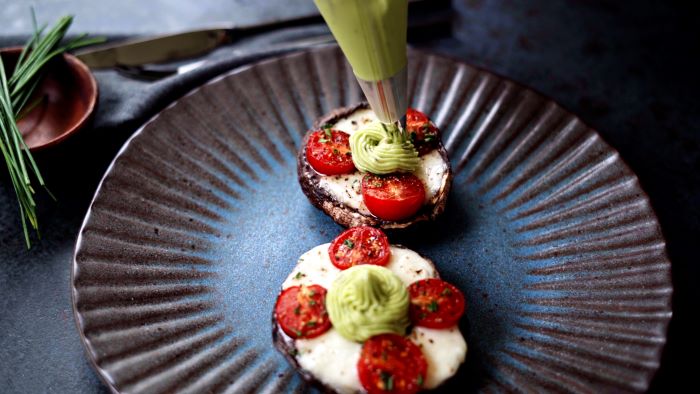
{"x":368,"y":300}
{"x":382,"y":149}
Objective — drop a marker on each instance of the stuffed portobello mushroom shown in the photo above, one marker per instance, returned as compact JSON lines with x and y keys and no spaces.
{"x":365,"y":173}
{"x":359,"y":315}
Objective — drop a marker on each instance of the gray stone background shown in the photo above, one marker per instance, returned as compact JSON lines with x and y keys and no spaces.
{"x":117,"y":17}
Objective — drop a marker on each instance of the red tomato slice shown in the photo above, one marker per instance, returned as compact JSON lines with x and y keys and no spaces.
{"x":328,"y":152}
{"x":360,"y":245}
{"x":393,"y":197}
{"x":435,"y":303}
{"x":301,"y":311}
{"x":423,"y":133}
{"x":390,"y":363}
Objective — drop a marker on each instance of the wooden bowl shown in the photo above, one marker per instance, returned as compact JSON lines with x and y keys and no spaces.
{"x":69,"y":94}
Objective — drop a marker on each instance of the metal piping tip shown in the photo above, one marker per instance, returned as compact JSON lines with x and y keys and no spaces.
{"x":387,"y":97}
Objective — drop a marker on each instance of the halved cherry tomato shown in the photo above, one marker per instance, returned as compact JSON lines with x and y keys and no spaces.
{"x":360,"y":245}
{"x":328,"y":152}
{"x":301,"y":311}
{"x":390,"y":363}
{"x":422,"y":132}
{"x":393,"y":197}
{"x":435,"y":303}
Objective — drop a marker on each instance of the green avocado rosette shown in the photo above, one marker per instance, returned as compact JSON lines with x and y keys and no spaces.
{"x":367,"y":300}
{"x":383,"y":149}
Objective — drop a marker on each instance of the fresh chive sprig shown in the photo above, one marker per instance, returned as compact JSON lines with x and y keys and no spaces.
{"x":15,"y":92}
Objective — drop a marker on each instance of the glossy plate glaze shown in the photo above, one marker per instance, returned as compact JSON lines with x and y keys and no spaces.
{"x":200,"y":218}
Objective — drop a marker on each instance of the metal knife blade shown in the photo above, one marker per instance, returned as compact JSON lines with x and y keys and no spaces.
{"x":189,"y":44}
{"x":154,"y":49}
{"x":178,"y":46}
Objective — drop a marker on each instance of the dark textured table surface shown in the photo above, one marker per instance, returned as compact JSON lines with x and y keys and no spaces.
{"x":627,"y":68}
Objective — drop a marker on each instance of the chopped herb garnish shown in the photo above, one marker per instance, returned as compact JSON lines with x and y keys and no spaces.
{"x":297,"y":310}
{"x":446,"y":292}
{"x":425,"y":126}
{"x":336,"y":151}
{"x":297,"y":332}
{"x":299,"y":275}
{"x":387,"y":380}
{"x":429,"y":137}
{"x":349,"y":244}
{"x":312,"y":293}
{"x":322,"y":140}
{"x":419,"y":380}
{"x":433,"y":306}
{"x":311,"y":323}
{"x":327,"y":130}
{"x":312,"y":302}
{"x":384,"y":355}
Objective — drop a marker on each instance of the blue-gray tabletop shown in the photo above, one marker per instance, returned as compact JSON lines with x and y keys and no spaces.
{"x":626,"y":68}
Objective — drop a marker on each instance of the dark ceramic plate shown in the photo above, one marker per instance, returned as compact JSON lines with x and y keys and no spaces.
{"x":200,"y":218}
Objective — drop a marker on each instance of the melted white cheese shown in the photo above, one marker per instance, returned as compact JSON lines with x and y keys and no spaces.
{"x":444,"y":350}
{"x":332,"y":359}
{"x":313,"y":268}
{"x":346,"y":189}
{"x":409,"y":266}
{"x":432,"y":170}
{"x":356,"y":120}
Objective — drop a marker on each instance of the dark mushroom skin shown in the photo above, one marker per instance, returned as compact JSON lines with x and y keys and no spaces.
{"x":347,"y":216}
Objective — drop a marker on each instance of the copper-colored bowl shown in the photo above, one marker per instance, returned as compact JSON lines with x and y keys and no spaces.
{"x":69,"y":97}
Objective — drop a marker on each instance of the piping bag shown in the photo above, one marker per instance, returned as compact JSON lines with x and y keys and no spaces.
{"x":372,"y":35}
